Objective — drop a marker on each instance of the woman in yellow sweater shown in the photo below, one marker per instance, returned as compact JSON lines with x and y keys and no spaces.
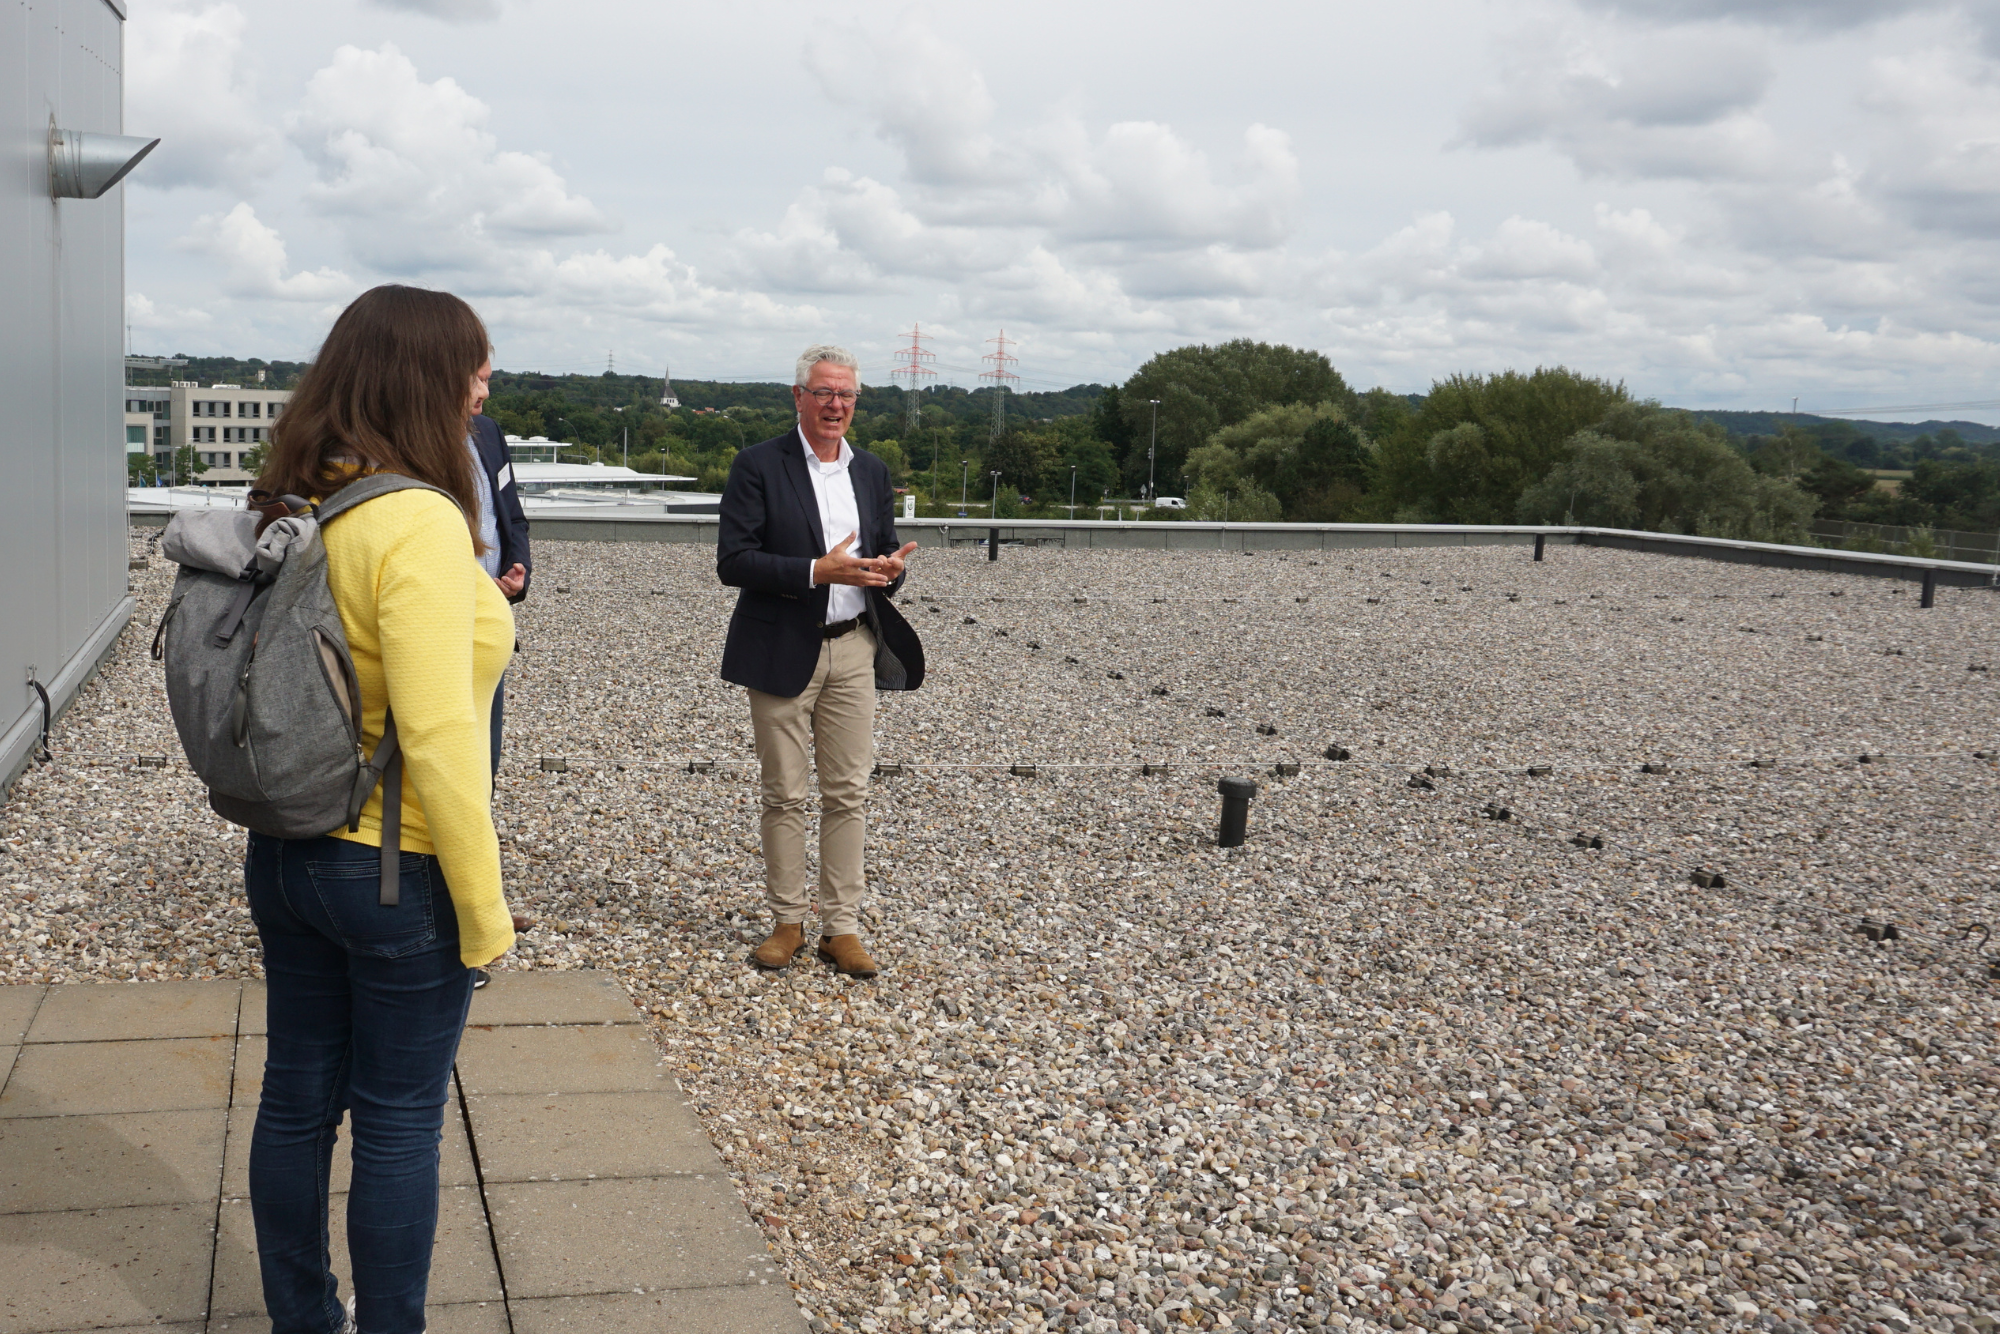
{"x":367,"y":1001}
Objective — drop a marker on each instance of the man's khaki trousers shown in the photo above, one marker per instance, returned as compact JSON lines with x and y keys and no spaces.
{"x":835,"y":716}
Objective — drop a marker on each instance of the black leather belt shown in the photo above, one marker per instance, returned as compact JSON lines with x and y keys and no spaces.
{"x":839,"y":628}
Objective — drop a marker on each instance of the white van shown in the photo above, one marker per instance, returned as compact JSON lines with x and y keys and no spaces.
{"x":1170,"y":502}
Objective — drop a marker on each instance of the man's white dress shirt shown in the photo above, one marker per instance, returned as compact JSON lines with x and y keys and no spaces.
{"x":839,"y":516}
{"x":489,"y":513}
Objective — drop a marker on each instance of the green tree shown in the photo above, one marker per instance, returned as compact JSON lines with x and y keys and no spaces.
{"x":1309,"y":456}
{"x":1837,"y":483}
{"x":1962,"y":493}
{"x":1108,"y":424}
{"x":1245,"y":502}
{"x":187,"y":465}
{"x":1653,"y":468}
{"x":140,"y":469}
{"x":891,"y":454}
{"x":1790,"y":454}
{"x":1429,"y":469}
{"x":1020,"y":457}
{"x":252,"y":459}
{"x":1071,"y":443}
{"x":1202,"y":389}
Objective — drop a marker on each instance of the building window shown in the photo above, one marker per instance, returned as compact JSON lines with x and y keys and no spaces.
{"x":135,"y":440}
{"x":248,"y":410}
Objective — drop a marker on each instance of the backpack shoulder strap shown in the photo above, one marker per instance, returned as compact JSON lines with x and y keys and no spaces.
{"x":364,"y":489}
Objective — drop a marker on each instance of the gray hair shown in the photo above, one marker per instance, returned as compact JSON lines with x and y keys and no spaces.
{"x":819,"y":352}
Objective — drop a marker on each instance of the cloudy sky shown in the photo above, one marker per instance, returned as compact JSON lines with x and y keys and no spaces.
{"x":1721,"y":202}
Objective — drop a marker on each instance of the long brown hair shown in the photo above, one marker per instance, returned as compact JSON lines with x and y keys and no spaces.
{"x":387,"y":393}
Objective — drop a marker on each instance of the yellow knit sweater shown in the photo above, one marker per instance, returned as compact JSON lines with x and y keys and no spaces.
{"x":430,"y":634}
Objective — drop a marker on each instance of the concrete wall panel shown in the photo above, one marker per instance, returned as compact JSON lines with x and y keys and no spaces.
{"x":62,"y":284}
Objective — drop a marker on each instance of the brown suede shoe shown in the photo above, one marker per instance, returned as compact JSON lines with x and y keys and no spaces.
{"x":786,"y":942}
{"x":847,"y":956}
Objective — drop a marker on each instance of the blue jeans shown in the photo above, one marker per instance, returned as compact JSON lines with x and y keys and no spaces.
{"x":365,"y":1011}
{"x":499,"y":713}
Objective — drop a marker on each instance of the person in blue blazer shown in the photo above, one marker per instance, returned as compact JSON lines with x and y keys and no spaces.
{"x":503,"y":527}
{"x":808,"y":534}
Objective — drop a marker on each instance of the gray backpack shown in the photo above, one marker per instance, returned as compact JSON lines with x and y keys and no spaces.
{"x":259,"y":679}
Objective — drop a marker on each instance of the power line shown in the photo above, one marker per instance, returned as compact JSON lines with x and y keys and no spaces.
{"x":1980,"y":405}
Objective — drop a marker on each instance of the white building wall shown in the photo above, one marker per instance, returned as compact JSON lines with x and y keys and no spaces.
{"x":222,"y":423}
{"x":62,"y":283}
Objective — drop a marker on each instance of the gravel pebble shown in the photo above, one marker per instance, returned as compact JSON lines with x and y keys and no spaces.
{"x":1396,"y":1063}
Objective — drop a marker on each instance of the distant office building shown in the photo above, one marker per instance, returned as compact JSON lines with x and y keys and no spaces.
{"x":146,"y":420}
{"x":535,"y":449}
{"x":220,"y":422}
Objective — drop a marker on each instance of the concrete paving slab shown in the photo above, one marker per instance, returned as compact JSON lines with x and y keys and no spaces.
{"x":599,"y":1059}
{"x":454,"y":1152}
{"x":585,"y":996}
{"x":104,"y":1267}
{"x":462,"y":1267}
{"x":577,"y":1238}
{"x":96,"y":1078}
{"x":51,"y":1163}
{"x":107,"y":1011}
{"x":465,"y":1318}
{"x":249,"y":1081}
{"x":17,"y":1008}
{"x":751,"y":1310}
{"x":252,"y":1017}
{"x":568,"y":1136}
{"x":7,"y":1055}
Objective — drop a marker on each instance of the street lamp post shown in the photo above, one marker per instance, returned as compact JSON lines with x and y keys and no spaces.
{"x":1152,"y":450}
{"x":993,"y":511}
{"x":1072,"y":490}
{"x":964,"y":480}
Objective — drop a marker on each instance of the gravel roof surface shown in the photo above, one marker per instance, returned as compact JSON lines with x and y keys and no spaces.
{"x":1399,"y":1061}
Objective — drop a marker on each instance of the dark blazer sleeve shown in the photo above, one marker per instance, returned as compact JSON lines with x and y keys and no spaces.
{"x":743,"y":528}
{"x":508,"y":514}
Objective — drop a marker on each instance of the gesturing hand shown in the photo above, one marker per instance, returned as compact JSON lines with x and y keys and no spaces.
{"x":892,"y":566}
{"x":514,"y":580}
{"x":840,"y":566}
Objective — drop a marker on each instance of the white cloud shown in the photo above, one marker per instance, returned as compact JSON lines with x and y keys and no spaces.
{"x":187,"y":81}
{"x":414,"y":178}
{"x":1940,"y":164}
{"x":1816,"y":14}
{"x":1698,"y":196}
{"x":1074,"y":224}
{"x":254,"y":260}
{"x":451,"y":11}
{"x":1617,"y":103}
{"x":142,"y":313}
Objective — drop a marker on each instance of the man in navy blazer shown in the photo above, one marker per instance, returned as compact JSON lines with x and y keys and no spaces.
{"x":503,"y":527}
{"x":807,"y":532}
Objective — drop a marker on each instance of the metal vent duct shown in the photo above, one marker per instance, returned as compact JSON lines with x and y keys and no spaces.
{"x":84,"y":166}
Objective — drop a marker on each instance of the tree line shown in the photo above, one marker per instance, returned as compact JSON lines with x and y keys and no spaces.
{"x":1263,"y":432}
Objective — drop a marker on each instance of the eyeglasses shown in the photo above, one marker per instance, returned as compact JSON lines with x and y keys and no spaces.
{"x":826,"y":396}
